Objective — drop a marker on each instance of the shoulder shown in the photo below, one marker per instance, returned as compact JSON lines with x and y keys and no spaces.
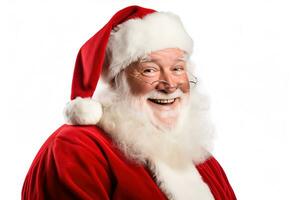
{"x":74,"y":142}
{"x":79,"y":139}
{"x":71,"y":162}
{"x":81,"y":135}
{"x":79,"y":132}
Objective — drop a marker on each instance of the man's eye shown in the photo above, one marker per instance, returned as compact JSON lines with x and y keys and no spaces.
{"x":149,"y":71}
{"x":178,"y":69}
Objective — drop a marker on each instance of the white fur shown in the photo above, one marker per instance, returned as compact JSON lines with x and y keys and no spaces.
{"x":171,"y":154}
{"x":181,"y":183}
{"x":138,"y":37}
{"x":83,"y":111}
{"x":139,"y":139}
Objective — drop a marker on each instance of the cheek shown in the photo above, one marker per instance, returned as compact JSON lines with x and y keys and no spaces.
{"x":185,"y":86}
{"x":137,"y":88}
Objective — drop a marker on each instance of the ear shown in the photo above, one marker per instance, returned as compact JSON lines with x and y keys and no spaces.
{"x":83,"y":111}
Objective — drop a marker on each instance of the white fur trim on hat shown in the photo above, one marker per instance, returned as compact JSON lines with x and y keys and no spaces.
{"x":83,"y":111}
{"x":137,"y":37}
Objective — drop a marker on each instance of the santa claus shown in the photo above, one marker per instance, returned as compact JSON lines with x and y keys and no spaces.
{"x":140,"y":131}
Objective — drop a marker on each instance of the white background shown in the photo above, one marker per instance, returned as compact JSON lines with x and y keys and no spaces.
{"x":246,"y":52}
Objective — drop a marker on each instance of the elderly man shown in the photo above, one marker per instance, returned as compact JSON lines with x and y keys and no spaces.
{"x":146,"y":135}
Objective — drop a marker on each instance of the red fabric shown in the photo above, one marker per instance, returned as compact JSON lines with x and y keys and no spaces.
{"x":90,"y":58}
{"x":80,"y":163}
{"x":214,"y":175}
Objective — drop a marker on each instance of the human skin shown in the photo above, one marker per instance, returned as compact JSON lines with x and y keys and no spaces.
{"x":168,"y":66}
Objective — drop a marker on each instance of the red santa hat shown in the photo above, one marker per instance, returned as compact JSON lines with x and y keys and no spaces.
{"x":131,"y":33}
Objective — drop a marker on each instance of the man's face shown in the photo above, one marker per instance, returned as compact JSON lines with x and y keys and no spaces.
{"x":160,"y":80}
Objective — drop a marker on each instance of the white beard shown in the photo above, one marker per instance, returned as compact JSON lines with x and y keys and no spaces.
{"x":126,"y":120}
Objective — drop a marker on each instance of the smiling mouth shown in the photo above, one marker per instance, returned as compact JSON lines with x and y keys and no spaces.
{"x":163,"y":101}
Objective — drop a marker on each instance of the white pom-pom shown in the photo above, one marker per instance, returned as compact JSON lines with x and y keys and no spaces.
{"x":83,"y":111}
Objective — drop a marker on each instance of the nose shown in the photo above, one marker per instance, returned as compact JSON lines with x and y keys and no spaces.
{"x":167,"y":84}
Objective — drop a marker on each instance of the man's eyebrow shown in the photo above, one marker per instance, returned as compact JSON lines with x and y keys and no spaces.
{"x":183,"y":58}
{"x":147,"y":58}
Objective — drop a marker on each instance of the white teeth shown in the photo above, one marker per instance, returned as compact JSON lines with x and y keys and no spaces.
{"x":163,"y":101}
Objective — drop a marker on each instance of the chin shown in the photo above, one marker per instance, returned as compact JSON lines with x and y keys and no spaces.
{"x":165,"y":113}
{"x":164,"y":110}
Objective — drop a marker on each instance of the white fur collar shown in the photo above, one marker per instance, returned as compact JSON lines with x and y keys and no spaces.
{"x":180,"y":183}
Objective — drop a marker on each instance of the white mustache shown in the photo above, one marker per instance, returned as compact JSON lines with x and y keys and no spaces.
{"x":158,"y":95}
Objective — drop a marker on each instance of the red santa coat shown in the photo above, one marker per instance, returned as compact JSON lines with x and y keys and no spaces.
{"x":80,"y":162}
